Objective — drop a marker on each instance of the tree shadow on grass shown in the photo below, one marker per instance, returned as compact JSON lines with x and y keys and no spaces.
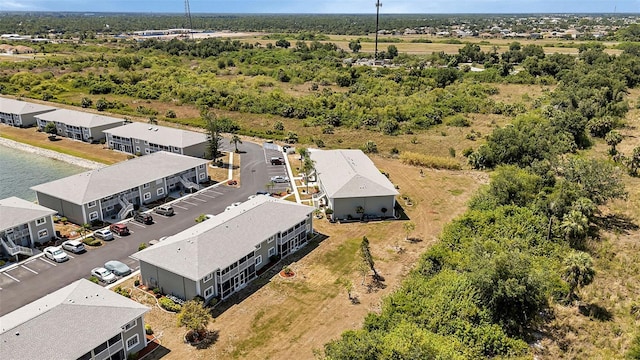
{"x":617,"y":222}
{"x":595,"y":311}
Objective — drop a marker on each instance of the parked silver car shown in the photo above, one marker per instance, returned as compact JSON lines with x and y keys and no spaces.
{"x":74,"y":246}
{"x":103,"y":275}
{"x":104,"y":234}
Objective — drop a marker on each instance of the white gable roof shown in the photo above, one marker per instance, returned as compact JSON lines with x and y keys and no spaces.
{"x":220,"y":241}
{"x":79,"y":118}
{"x":67,"y":323}
{"x":97,"y":184}
{"x":350,"y":173}
{"x":11,"y":106}
{"x":15,"y":211}
{"x":160,"y":135}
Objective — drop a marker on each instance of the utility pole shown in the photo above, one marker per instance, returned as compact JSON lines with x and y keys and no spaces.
{"x":378,"y":5}
{"x":187,"y":11}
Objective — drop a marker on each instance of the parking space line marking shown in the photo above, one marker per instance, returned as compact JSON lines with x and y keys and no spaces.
{"x":195,"y":198}
{"x":131,"y":232}
{"x":189,"y":203}
{"x":142,"y":226}
{"x":73,"y":257}
{"x":35,"y":272}
{"x":180,"y":207}
{"x":215,"y":192}
{"x":209,"y":196}
{"x":30,"y":261}
{"x":11,"y":277}
{"x":48,"y":262}
{"x":160,"y":215}
{"x":117,"y":236}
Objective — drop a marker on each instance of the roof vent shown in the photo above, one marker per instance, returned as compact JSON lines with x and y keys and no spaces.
{"x":150,"y":128}
{"x":17,"y":333}
{"x":156,"y":129}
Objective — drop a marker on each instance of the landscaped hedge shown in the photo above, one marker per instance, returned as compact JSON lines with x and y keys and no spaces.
{"x":91,"y":241}
{"x":169,"y":305}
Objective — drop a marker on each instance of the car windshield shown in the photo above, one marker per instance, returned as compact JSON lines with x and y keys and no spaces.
{"x":104,"y":272}
{"x":58,"y":252}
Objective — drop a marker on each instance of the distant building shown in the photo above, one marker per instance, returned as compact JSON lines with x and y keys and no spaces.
{"x":79,"y":125}
{"x":112,"y":193}
{"x":23,"y":224}
{"x":351,"y":183}
{"x":81,"y":321}
{"x":21,"y":113}
{"x":140,"y":139}
{"x":222,"y":255}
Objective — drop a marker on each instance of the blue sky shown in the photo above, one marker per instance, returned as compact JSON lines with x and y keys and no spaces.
{"x":328,"y":6}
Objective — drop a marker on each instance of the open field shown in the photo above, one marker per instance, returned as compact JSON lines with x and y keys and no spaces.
{"x":276,"y":318}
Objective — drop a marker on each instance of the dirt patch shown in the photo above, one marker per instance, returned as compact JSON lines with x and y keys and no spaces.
{"x":280,"y":318}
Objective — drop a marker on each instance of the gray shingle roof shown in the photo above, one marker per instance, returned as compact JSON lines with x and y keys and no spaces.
{"x":160,"y":135}
{"x":350,"y":173}
{"x":97,"y":184}
{"x":220,"y":241}
{"x":79,"y":118}
{"x":66,"y":323}
{"x":11,"y":106}
{"x":15,"y":211}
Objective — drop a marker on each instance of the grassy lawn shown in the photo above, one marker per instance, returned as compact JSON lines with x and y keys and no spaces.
{"x":93,"y":152}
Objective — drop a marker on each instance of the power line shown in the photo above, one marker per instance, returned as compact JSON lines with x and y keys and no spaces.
{"x":187,"y":11}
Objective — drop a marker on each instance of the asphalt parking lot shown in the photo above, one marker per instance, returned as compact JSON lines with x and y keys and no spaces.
{"x":272,"y":151}
{"x":39,"y":276}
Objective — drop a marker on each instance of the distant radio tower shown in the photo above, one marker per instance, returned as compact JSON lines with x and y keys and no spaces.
{"x":378,"y":5}
{"x":187,"y":12}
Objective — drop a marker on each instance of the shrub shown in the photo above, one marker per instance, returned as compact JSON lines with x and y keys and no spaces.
{"x":142,"y":246}
{"x":458,"y":121}
{"x":91,"y":241}
{"x":201,"y":218}
{"x":2,"y":262}
{"x":147,"y":329}
{"x":169,"y":305}
{"x":136,"y":282}
{"x":94,"y":279}
{"x":121,"y":291}
{"x":370,"y":147}
{"x":433,"y":162}
{"x":156,"y":290}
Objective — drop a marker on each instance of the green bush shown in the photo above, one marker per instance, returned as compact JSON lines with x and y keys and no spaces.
{"x":142,"y":246}
{"x":147,"y":329}
{"x":91,"y":241}
{"x":169,"y":305}
{"x":458,"y":121}
{"x":94,"y":279}
{"x":121,"y":291}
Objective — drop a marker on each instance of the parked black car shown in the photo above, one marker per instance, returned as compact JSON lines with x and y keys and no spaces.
{"x":143,"y":218}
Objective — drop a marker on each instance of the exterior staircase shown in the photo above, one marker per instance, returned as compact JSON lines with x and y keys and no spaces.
{"x":12,"y":249}
{"x":188,"y":184}
{"x":127,"y":207}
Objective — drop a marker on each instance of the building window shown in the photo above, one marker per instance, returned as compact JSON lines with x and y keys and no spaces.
{"x":146,"y":186}
{"x":259,"y":246}
{"x":91,"y":204}
{"x":133,"y":342}
{"x":160,"y":191}
{"x":41,"y":221}
{"x":137,"y":148}
{"x":114,"y":340}
{"x":176,"y":149}
{"x":109,"y":208}
{"x":42,"y":234}
{"x":208,"y":277}
{"x":146,"y":142}
{"x":93,"y":216}
{"x":201,"y":176}
{"x":146,"y":196}
{"x":208,"y":292}
{"x":147,"y":151}
{"x":258,"y":260}
{"x":201,"y":166}
{"x":131,"y":324}
{"x":271,"y":239}
{"x":272,"y":251}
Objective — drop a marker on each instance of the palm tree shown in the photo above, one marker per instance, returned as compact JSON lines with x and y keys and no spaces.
{"x":578,"y":272}
{"x":307,"y":168}
{"x":574,"y":225}
{"x":235,"y":139}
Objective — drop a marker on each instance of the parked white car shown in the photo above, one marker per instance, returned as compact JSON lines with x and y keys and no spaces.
{"x":104,"y":234}
{"x":74,"y":246}
{"x":56,"y":254}
{"x":103,"y":275}
{"x":280,"y":179}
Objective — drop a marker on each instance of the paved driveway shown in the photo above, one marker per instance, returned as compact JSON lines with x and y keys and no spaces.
{"x":40,"y":276}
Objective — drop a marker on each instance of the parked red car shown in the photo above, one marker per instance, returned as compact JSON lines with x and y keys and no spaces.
{"x":120,"y":229}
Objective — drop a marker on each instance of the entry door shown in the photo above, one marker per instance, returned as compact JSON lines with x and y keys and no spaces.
{"x":240,"y":280}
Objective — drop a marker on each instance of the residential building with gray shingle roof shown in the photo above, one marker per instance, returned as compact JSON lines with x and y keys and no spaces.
{"x":21,"y":113}
{"x":353,"y":185}
{"x":141,"y":139}
{"x":222,"y":254}
{"x":23,"y":225}
{"x":79,"y":125}
{"x":82,"y":320}
{"x":111,"y":193}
